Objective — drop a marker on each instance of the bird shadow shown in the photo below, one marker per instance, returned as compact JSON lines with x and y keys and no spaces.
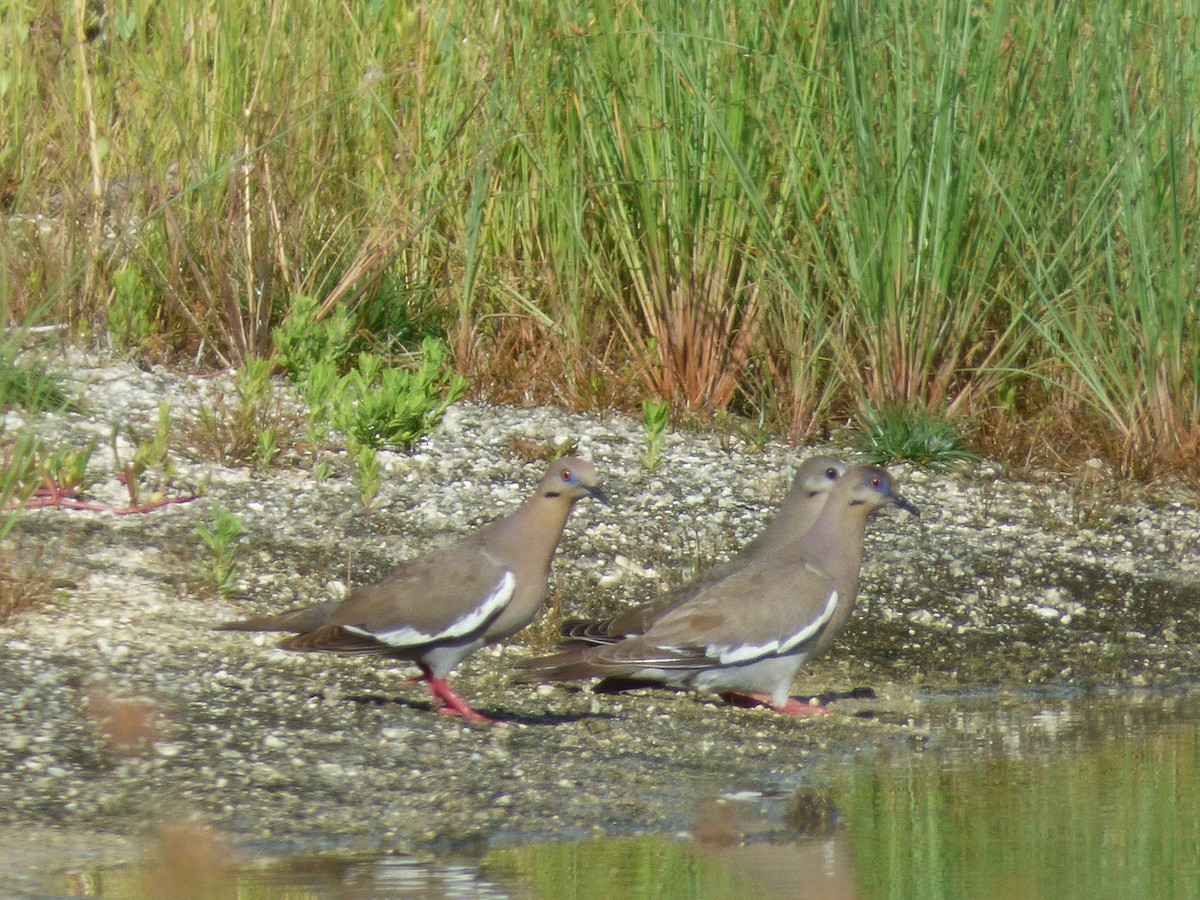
{"x":858,"y":693}
{"x":615,"y":685}
{"x":507,"y":717}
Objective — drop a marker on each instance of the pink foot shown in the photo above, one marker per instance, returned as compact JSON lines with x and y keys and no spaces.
{"x":795,"y":707}
{"x":792,"y":707}
{"x":448,"y":703}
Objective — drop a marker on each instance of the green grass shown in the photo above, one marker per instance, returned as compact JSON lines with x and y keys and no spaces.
{"x":787,"y":211}
{"x":910,"y":435}
{"x":27,"y":383}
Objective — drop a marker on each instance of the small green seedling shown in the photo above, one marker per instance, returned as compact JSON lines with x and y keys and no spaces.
{"x":221,"y":540}
{"x":655,"y":414}
{"x":367,"y":474}
{"x":150,"y":454}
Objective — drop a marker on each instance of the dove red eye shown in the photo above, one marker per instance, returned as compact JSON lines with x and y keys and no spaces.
{"x":566,"y":474}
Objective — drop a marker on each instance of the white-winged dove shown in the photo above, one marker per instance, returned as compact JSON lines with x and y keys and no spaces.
{"x":801,"y":505}
{"x":437,"y":609}
{"x":747,"y":635}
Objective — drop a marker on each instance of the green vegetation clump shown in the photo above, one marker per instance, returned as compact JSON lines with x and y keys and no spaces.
{"x":911,"y":435}
{"x":394,"y":407}
{"x":373,"y":404}
{"x":28,"y":383}
{"x":303,"y":342}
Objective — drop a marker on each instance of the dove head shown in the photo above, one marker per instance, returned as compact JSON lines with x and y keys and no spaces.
{"x":572,"y":478}
{"x":870,"y":488}
{"x":817,"y":475}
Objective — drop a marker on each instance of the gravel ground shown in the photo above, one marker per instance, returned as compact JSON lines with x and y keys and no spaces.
{"x":121,"y":706}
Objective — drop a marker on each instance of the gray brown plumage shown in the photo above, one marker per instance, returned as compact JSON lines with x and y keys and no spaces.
{"x":801,"y":505}
{"x":748,"y":634}
{"x":439,"y":608}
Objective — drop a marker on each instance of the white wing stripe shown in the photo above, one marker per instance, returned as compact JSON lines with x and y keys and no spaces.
{"x":743,"y":652}
{"x":814,"y":626}
{"x":406,"y":635}
{"x":735,"y":653}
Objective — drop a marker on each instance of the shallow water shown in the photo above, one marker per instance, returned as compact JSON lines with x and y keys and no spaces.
{"x":1086,"y":797}
{"x":1033,"y":795}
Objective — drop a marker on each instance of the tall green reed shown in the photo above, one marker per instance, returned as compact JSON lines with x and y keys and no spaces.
{"x":802,"y":209}
{"x":1118,"y":325}
{"x":911,"y":241}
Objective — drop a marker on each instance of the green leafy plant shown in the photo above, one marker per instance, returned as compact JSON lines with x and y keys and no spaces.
{"x":39,"y":476}
{"x":268,"y":447}
{"x":367,"y":474}
{"x":66,"y":469}
{"x":133,"y":311}
{"x":911,"y":435}
{"x":378,"y":407}
{"x":221,"y":540}
{"x":302,"y":341}
{"x":655,"y":414}
{"x":320,"y":389}
{"x":151,"y":454}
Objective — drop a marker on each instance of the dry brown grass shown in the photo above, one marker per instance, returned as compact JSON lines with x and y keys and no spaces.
{"x":1070,"y":441}
{"x":541,"y":635}
{"x":29,"y":578}
{"x":528,"y":450}
{"x":230,"y":431}
{"x":518,"y":361}
{"x":701,"y":336}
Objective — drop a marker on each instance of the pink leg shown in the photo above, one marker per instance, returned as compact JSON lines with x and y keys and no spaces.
{"x":455,"y":705}
{"x":448,"y":703}
{"x":792,"y":707}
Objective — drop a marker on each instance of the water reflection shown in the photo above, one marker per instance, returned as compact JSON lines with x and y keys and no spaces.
{"x":746,"y":866}
{"x":1041,"y":795}
{"x":1095,"y":798}
{"x":342,"y":876}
